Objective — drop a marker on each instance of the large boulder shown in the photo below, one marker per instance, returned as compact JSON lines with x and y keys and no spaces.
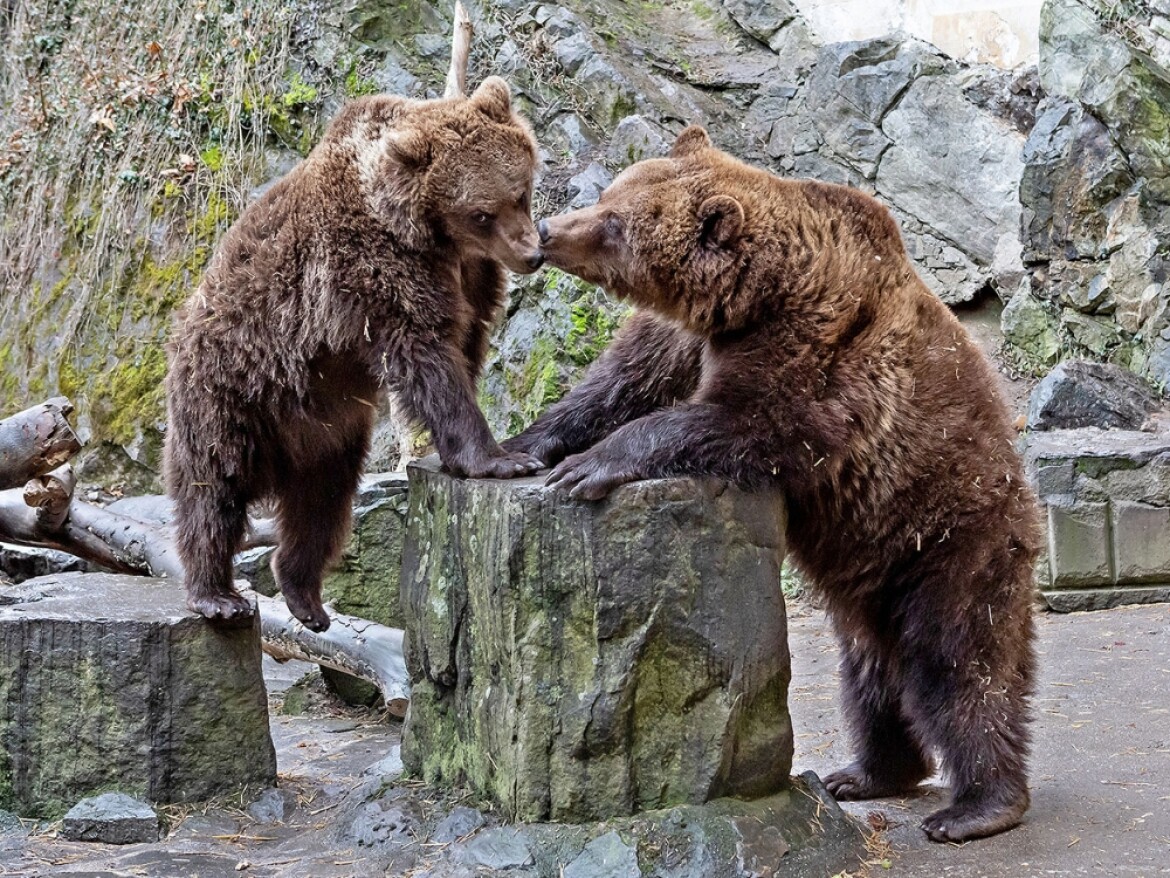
{"x":577,"y":661}
{"x":110,"y":682}
{"x":1082,"y":394}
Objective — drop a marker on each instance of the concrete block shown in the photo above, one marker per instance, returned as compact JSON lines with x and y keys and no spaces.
{"x":1141,"y":542}
{"x":1078,"y":543}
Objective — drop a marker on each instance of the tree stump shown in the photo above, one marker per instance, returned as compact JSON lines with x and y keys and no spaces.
{"x":577,"y":661}
{"x":108,"y":682}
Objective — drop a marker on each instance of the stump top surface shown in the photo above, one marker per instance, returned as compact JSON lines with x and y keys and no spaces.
{"x":679,"y":486}
{"x":88,"y":597}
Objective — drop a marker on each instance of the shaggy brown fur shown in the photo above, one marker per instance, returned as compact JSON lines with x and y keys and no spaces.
{"x":375,"y":262}
{"x":787,"y":342}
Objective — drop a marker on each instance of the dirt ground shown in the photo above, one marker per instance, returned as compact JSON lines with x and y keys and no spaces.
{"x":1100,"y":776}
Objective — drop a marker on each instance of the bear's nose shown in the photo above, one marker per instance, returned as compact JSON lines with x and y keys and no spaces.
{"x":535,"y":260}
{"x":542,"y":230}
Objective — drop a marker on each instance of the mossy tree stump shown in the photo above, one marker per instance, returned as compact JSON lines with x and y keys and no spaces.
{"x":577,"y":661}
{"x":108,"y":682}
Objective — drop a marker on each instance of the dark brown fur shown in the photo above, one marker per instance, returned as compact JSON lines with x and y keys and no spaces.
{"x":786,"y":341}
{"x":376,"y":262}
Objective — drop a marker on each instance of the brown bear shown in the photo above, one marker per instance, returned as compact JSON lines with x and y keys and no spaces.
{"x":375,"y":263}
{"x":787,"y":342}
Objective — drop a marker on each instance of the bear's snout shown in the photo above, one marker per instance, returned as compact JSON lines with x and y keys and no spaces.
{"x":542,"y":231}
{"x":535,"y":260}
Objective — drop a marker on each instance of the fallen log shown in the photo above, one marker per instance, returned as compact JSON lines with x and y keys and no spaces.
{"x":36,"y":441}
{"x":134,"y":536}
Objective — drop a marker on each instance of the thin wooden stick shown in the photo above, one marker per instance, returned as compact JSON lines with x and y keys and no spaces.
{"x":460,"y":52}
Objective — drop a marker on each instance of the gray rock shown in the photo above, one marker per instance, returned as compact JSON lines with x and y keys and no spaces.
{"x":573,"y":51}
{"x":131,"y":672}
{"x":432,"y":46}
{"x":19,"y":563}
{"x":389,"y":822}
{"x":567,"y":135}
{"x":1082,"y":394}
{"x":605,"y":857}
{"x":636,"y":138}
{"x":272,"y":806}
{"x":962,"y":180}
{"x":502,"y":848}
{"x":602,"y":690}
{"x":460,"y":823}
{"x":763,"y":19}
{"x":388,"y":768}
{"x":10,"y":823}
{"x":559,"y":22}
{"x":508,"y":58}
{"x":608,"y":93}
{"x":393,"y":78}
{"x":111,"y":818}
{"x":585,"y":188}
{"x":1029,"y":327}
{"x":854,"y":85}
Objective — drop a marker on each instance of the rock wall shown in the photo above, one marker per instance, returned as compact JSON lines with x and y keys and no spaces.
{"x":1095,"y":191}
{"x":1062,"y":219}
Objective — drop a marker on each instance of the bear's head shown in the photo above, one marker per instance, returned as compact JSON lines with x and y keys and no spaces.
{"x":667,"y":234}
{"x":457,"y":171}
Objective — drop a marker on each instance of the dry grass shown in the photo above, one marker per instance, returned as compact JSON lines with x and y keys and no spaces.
{"x":128,"y":132}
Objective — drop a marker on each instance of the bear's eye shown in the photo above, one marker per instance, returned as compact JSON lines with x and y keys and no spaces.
{"x":613,"y":226}
{"x":482,"y":218}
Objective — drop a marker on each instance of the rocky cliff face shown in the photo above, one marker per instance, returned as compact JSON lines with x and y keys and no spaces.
{"x":1096,"y":190}
{"x":120,"y":166}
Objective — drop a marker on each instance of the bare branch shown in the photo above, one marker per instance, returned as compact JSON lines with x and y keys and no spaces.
{"x":51,"y":495}
{"x":353,"y":646}
{"x":460,"y":52}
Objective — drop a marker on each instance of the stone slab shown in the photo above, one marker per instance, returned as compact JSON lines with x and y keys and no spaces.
{"x":111,"y":818}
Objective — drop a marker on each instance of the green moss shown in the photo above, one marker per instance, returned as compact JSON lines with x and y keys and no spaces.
{"x":217,"y":215}
{"x":298,"y":93}
{"x":131,"y":394}
{"x":536,"y":386}
{"x":212,"y":157}
{"x":357,"y":85}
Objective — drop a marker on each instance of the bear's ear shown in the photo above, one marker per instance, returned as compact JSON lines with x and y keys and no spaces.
{"x":693,"y":139}
{"x":721,"y":217}
{"x":410,"y":148}
{"x":493,"y":99}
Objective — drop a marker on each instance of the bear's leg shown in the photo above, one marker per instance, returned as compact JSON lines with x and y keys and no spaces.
{"x":967,"y":687}
{"x":651,"y":364}
{"x":313,"y":515}
{"x":210,"y":520}
{"x":890,"y":760}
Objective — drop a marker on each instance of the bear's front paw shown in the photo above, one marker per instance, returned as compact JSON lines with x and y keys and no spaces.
{"x":501,"y":465}
{"x":548,"y":449}
{"x":590,"y":475}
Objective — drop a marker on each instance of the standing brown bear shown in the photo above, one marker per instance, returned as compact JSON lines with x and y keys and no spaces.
{"x":375,"y":263}
{"x":787,"y":342}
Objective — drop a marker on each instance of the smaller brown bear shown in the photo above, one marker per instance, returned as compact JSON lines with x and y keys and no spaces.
{"x":375,"y":263}
{"x":788,"y":342}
